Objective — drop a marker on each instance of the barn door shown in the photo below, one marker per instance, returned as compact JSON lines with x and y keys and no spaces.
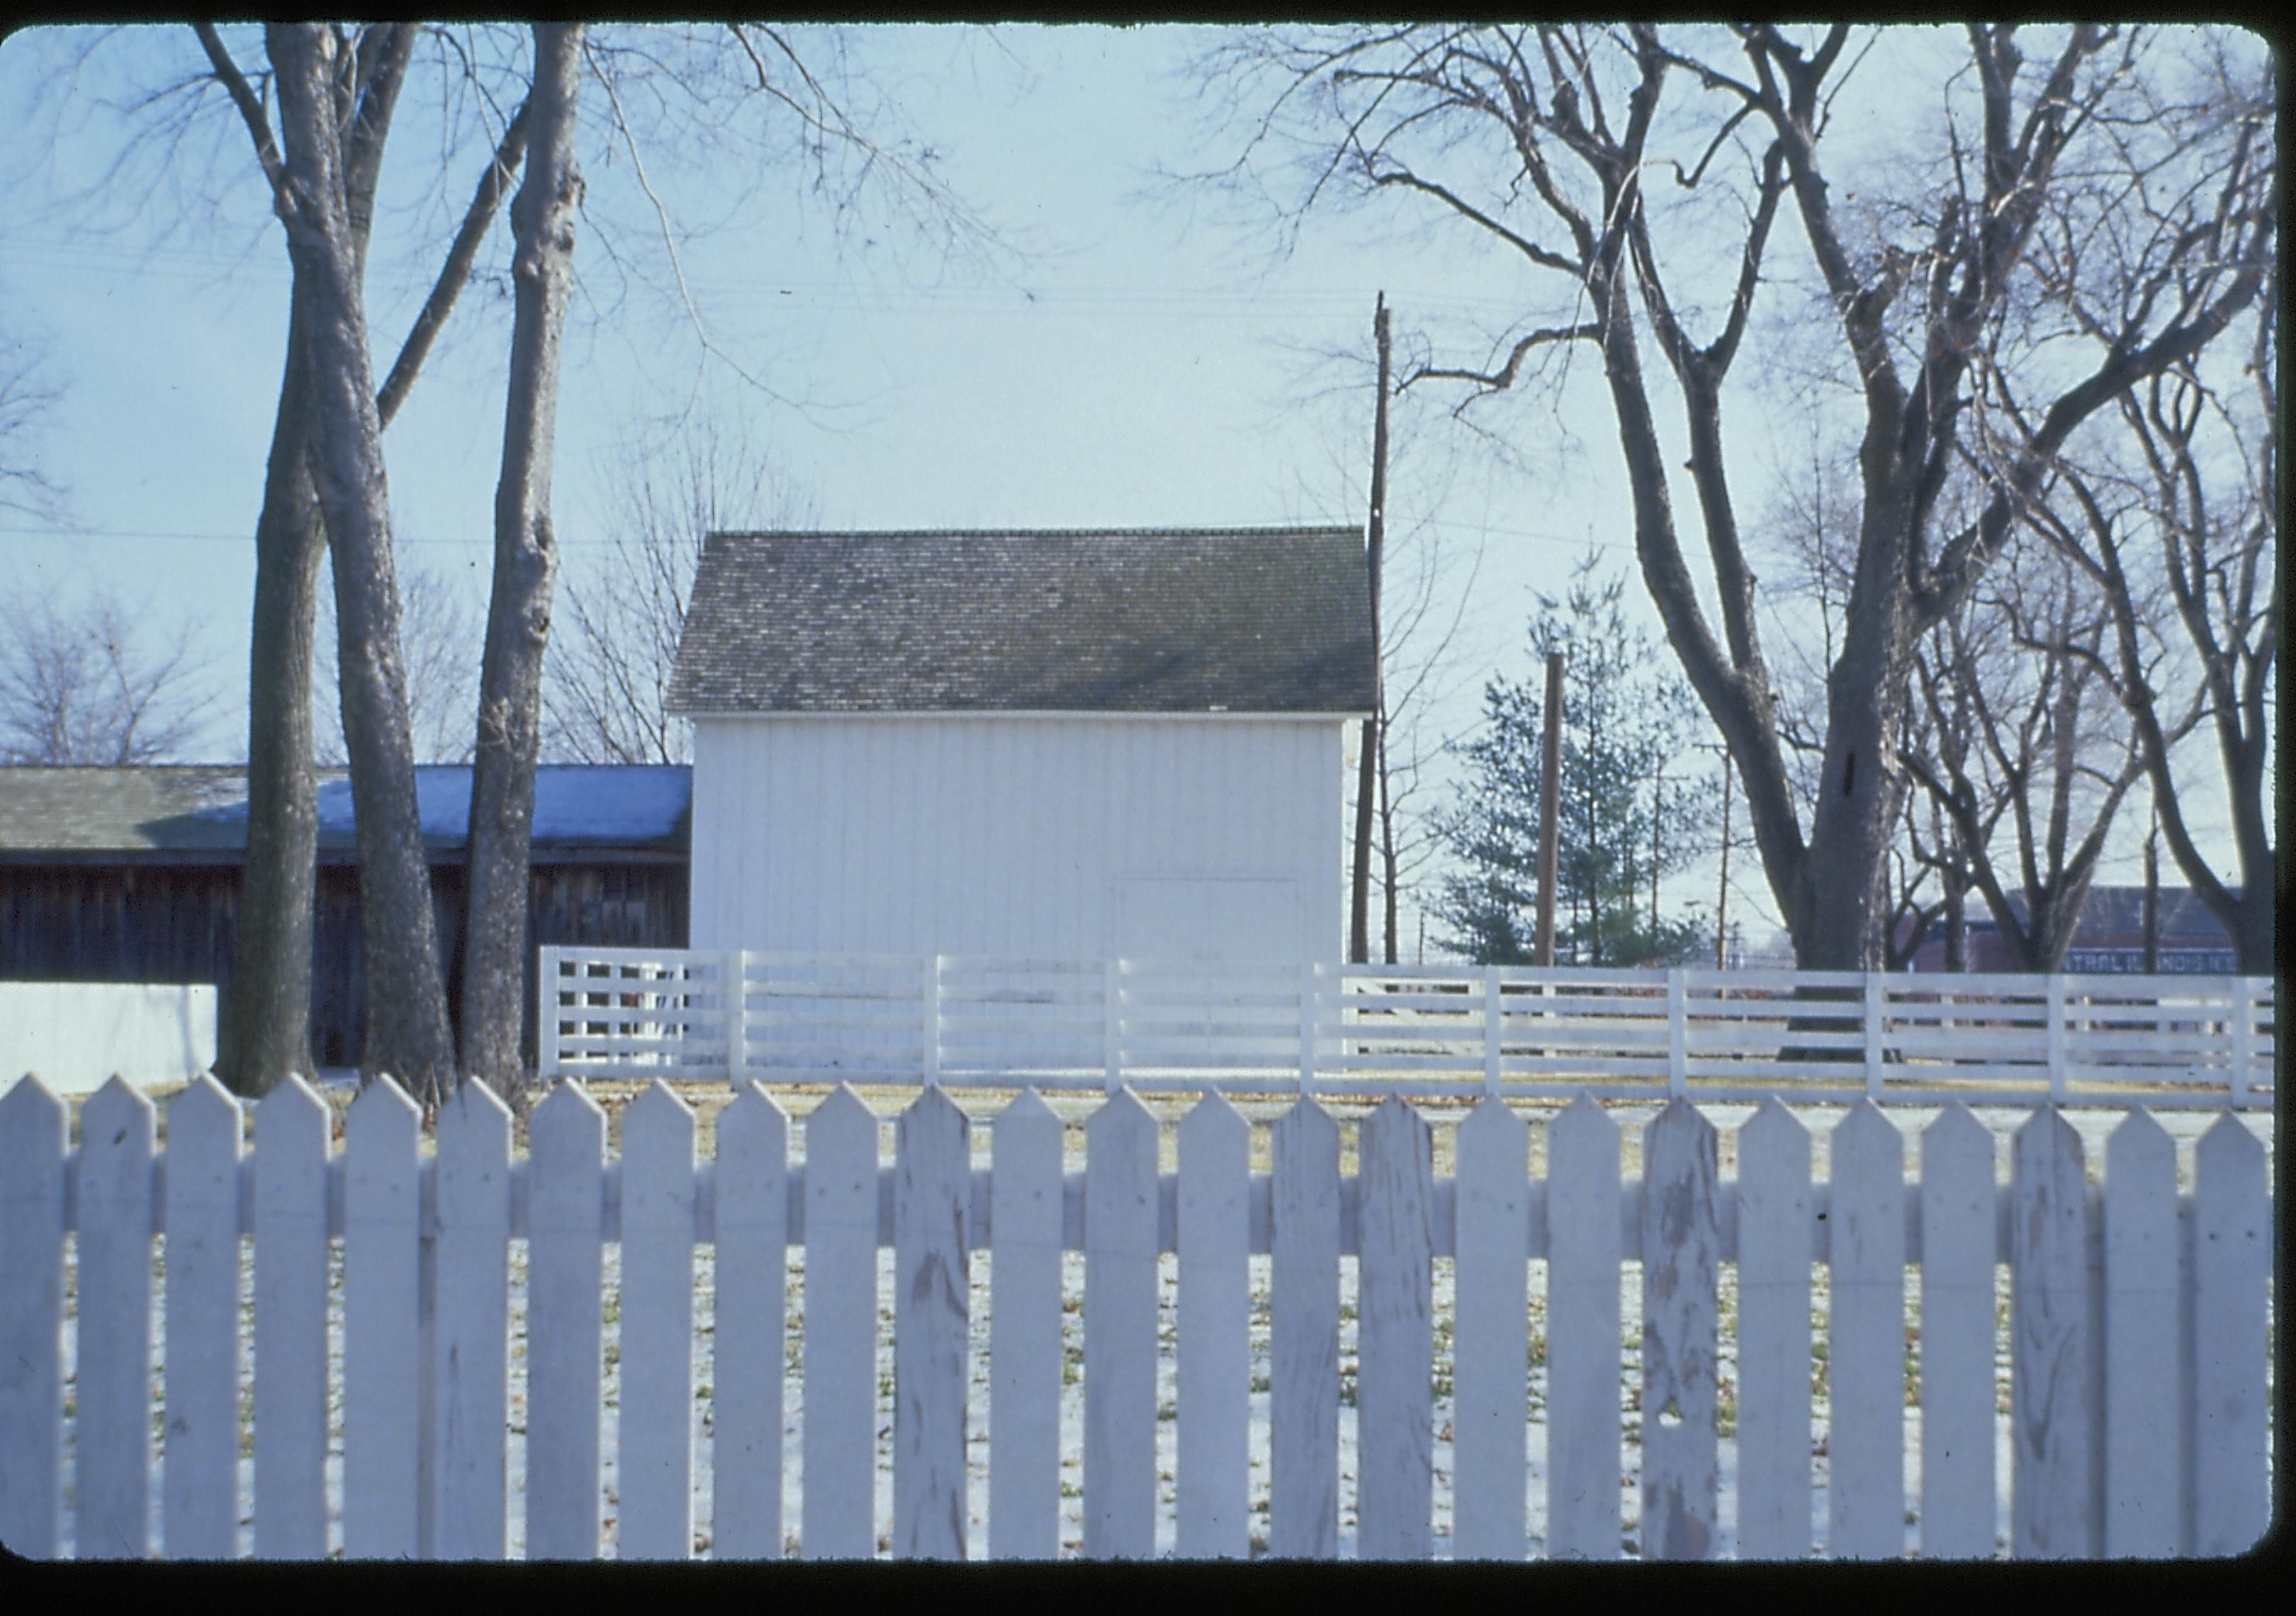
{"x":1207,"y":917}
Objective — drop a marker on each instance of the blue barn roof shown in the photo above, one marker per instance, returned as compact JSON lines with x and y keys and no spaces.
{"x":199,"y":814}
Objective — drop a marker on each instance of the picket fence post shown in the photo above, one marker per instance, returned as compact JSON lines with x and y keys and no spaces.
{"x":1309,"y":993}
{"x":2056,"y":1038}
{"x":545,"y":1014}
{"x":737,"y":1016}
{"x":930,"y":1018}
{"x":1494,"y":1026}
{"x":1877,"y":984}
{"x":1112,"y":1000}
{"x":1678,"y":1038}
{"x":2244,"y":1037}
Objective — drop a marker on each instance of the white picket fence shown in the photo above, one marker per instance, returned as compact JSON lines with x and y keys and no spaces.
{"x":1429,"y":1031}
{"x":2139,"y":1330}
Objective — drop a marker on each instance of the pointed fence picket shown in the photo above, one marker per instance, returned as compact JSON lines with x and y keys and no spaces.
{"x":1214,"y":1327}
{"x":1024,"y":1331}
{"x":33,"y":1222}
{"x":655,"y":1473}
{"x":1582,"y":1256}
{"x":2231,"y":1265}
{"x":115,"y":1325}
{"x":1303,"y":1337}
{"x":1682,"y":1266}
{"x":1395,"y":1330}
{"x":2144,"y":1448}
{"x":1119,"y":1331}
{"x":750,"y":1352}
{"x":383,"y":1339}
{"x":840,"y":1330}
{"x":1865,"y":1326}
{"x":470,"y":1357}
{"x":1774,"y":1336}
{"x":565,"y":1289}
{"x":2053,"y":1511}
{"x":2137,"y":1341}
{"x":291,"y":1127}
{"x":1959,"y":1239}
{"x":1490,"y":1349}
{"x":931,"y":1312}
{"x":199,"y":1485}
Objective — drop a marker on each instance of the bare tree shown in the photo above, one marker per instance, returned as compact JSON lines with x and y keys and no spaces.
{"x":2035,"y":741}
{"x":264,"y":1025}
{"x":2204,"y":496}
{"x":439,"y":631}
{"x":759,"y":92}
{"x":526,"y":564}
{"x":616,"y":640}
{"x":29,"y":396}
{"x":2187,"y":468}
{"x":98,"y":685}
{"x":1543,"y":139}
{"x":316,"y":73}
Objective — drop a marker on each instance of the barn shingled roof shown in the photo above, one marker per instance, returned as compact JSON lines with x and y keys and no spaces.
{"x":1271,"y":620}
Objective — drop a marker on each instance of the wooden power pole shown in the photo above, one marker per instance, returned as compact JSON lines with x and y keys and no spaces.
{"x":1549,"y":809}
{"x":1367,"y":772}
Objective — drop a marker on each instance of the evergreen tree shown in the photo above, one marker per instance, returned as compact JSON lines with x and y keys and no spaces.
{"x":1631,"y":812}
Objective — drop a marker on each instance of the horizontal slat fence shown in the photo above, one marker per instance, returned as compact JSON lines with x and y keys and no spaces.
{"x":2165,"y":1452}
{"x":1524,"y":1033}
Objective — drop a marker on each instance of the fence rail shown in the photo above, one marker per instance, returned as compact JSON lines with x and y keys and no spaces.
{"x":2137,"y":1335}
{"x":1426,"y":1030}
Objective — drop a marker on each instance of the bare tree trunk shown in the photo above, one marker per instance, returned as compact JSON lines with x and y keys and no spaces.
{"x":526,"y":563}
{"x":407,"y":1034}
{"x":266,"y":1027}
{"x":265,"y":1031}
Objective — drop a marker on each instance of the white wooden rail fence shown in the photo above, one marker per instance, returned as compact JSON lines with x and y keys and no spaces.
{"x":1732,"y":1036}
{"x":2138,"y":1330}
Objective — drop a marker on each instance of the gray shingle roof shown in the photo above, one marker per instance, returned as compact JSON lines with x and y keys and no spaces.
{"x":198,"y":813}
{"x":1241,"y":620}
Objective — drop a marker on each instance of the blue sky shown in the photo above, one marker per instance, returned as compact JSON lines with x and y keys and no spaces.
{"x":1146,"y":359}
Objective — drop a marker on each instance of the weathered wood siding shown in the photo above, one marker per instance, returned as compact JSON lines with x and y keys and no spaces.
{"x":1021,"y":836}
{"x":158,"y":922}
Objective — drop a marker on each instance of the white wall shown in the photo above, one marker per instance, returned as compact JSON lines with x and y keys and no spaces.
{"x":75,"y":1035}
{"x":1023,"y":837}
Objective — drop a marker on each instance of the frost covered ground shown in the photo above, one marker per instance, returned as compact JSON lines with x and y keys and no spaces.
{"x":2092,"y":1126}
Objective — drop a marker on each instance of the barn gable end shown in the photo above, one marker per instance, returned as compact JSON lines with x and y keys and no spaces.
{"x":1072,"y":745}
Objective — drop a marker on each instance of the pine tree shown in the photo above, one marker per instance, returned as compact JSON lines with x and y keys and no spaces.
{"x":1631,"y":813}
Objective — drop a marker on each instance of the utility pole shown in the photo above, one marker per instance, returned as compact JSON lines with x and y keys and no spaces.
{"x":1549,"y":809}
{"x":1367,"y":772}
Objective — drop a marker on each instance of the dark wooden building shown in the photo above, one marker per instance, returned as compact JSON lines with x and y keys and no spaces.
{"x":2109,"y":938}
{"x":133,"y":876}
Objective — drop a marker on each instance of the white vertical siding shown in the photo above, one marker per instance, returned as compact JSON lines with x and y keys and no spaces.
{"x":1013,"y":836}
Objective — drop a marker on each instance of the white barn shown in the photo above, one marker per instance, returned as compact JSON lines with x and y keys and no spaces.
{"x":1033,"y":745}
